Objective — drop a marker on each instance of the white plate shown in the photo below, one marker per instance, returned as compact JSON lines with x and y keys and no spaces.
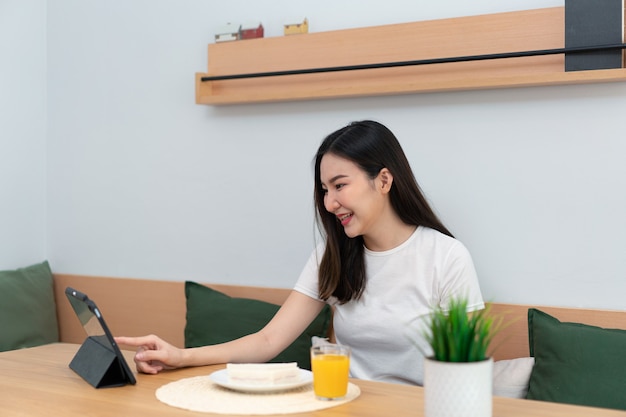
{"x":221,"y":378}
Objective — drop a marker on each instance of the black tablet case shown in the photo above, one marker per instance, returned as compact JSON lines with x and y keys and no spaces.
{"x":97,"y":361}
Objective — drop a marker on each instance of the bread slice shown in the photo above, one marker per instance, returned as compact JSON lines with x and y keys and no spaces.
{"x":263,"y":373}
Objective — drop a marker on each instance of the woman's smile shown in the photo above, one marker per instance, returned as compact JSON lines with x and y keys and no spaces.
{"x":344,"y":219}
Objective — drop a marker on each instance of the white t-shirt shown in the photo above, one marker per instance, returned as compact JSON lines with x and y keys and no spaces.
{"x":403,"y":284}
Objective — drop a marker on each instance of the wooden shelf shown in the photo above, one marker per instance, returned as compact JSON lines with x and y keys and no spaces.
{"x":528,"y":30}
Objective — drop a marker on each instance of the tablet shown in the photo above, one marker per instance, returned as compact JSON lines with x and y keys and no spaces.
{"x":99,"y":360}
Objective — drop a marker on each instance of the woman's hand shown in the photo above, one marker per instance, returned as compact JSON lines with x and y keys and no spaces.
{"x":153,"y":354}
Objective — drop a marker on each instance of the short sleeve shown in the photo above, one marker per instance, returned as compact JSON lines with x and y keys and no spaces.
{"x":307,"y":283}
{"x":460,"y":278}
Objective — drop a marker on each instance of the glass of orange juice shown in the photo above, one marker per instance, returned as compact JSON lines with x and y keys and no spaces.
{"x":330,"y":364}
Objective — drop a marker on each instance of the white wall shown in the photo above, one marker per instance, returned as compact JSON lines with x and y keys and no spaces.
{"x":22,"y":132}
{"x":142,"y":182}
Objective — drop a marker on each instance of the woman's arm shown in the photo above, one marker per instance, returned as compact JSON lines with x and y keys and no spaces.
{"x":153,"y":354}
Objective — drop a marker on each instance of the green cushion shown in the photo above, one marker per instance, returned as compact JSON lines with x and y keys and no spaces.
{"x":214,"y":317}
{"x":27,"y":308}
{"x":576,"y":363}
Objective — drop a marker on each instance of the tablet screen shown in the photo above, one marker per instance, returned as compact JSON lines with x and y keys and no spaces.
{"x":89,"y":317}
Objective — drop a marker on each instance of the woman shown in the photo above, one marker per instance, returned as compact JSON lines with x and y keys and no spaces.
{"x":386,"y":261}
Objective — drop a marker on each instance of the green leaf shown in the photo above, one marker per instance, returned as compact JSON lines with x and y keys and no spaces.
{"x":457,"y":335}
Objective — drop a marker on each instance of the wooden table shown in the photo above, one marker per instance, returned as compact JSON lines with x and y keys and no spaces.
{"x":38,"y":381}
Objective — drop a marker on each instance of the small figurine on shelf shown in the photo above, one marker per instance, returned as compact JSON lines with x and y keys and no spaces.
{"x":251,"y":31}
{"x":296,"y":28}
{"x":228,"y":32}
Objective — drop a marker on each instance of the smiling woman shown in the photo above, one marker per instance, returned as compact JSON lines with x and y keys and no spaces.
{"x":386,"y":254}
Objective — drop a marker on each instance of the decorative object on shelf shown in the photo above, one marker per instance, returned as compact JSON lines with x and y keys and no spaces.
{"x":251,"y":31}
{"x":228,"y":32}
{"x":588,"y":24}
{"x":297,"y":28}
{"x":458,"y":377}
{"x":501,"y":50}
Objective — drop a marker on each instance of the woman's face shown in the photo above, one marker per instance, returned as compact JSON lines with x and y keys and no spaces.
{"x":354,"y":198}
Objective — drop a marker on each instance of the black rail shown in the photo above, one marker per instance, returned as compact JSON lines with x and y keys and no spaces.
{"x":467,"y":58}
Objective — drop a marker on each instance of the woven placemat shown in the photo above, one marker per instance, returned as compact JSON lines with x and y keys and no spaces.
{"x":201,"y":394}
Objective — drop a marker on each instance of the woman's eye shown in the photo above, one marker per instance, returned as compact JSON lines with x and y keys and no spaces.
{"x":339,"y":186}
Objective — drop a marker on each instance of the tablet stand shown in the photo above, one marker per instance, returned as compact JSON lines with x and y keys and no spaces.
{"x":98,"y":365}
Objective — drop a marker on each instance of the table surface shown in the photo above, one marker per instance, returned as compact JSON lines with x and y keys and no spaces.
{"x":38,"y":381}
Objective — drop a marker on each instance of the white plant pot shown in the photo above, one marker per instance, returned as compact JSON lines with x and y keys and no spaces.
{"x":458,"y":389}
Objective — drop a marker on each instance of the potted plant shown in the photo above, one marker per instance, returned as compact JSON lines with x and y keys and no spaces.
{"x":458,"y":376}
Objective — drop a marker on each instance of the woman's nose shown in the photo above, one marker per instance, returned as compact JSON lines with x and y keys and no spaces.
{"x":330,"y":202}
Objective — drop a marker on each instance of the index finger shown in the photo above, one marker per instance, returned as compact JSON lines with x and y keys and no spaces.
{"x":150,"y":340}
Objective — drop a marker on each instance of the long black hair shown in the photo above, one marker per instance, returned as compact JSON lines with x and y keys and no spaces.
{"x":372,"y":147}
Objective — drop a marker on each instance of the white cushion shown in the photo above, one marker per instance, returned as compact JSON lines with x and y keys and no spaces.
{"x":511,"y":376}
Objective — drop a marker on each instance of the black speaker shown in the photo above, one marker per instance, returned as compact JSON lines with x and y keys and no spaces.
{"x":593,"y":23}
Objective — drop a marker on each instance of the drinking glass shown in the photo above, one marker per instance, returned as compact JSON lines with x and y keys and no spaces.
{"x":330,"y":364}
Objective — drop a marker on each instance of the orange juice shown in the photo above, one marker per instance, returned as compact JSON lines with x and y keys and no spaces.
{"x":330,"y":374}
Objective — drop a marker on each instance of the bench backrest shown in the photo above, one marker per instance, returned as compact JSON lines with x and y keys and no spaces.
{"x":136,"y":307}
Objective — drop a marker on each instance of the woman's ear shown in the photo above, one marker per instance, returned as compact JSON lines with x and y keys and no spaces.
{"x":385,"y":179}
